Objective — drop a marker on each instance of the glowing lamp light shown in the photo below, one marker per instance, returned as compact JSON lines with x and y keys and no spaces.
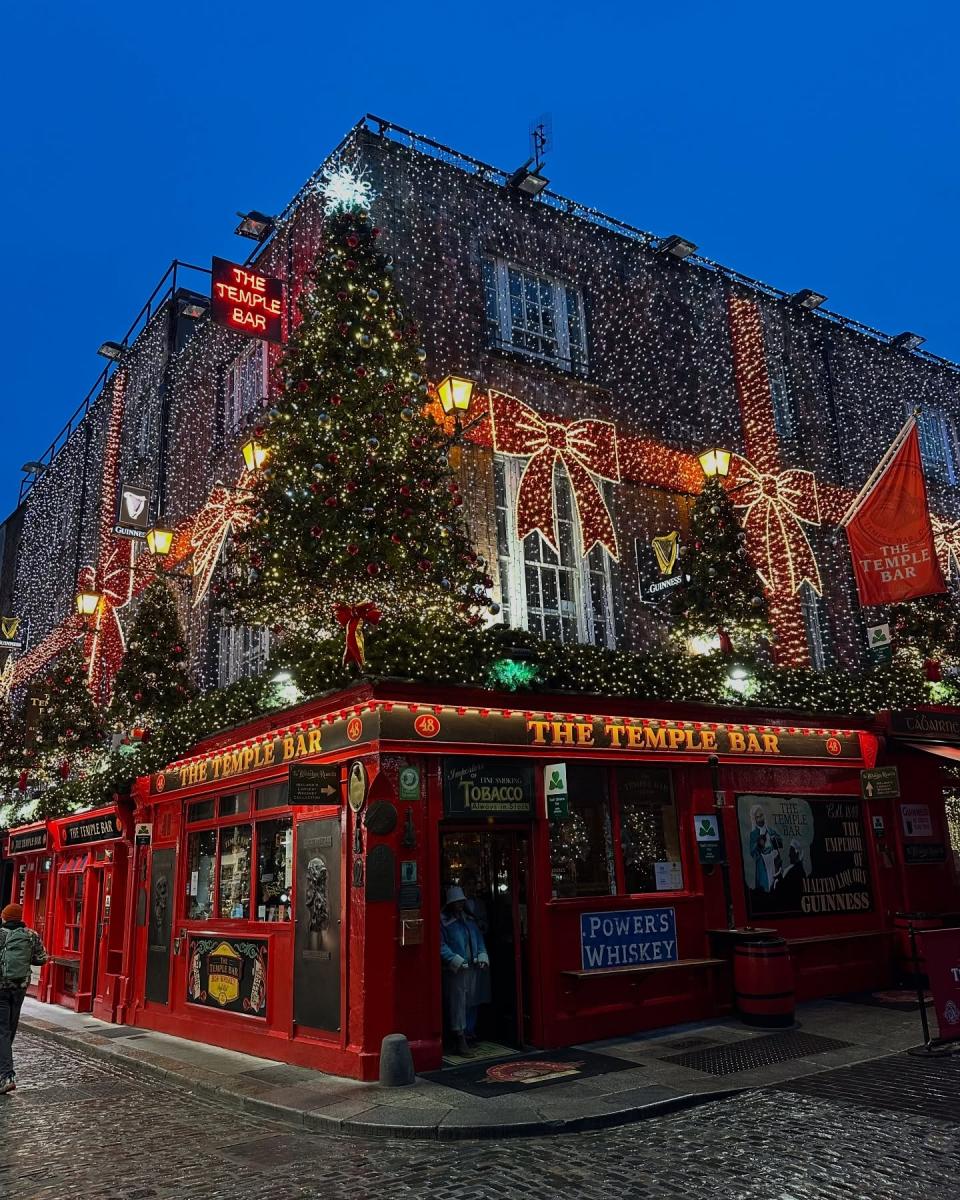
{"x":455,"y":393}
{"x":715,"y":462}
{"x":254,"y":454}
{"x":87,"y":603}
{"x":159,"y":540}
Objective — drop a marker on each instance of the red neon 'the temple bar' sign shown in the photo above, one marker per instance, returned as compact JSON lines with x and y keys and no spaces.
{"x":243,"y":299}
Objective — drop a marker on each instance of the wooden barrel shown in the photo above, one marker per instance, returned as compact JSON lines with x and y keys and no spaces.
{"x":763,"y":982}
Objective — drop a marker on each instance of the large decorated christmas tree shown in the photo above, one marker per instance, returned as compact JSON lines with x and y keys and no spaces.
{"x":69,"y":721}
{"x":724,"y":594}
{"x":357,"y":515}
{"x":152,"y":682}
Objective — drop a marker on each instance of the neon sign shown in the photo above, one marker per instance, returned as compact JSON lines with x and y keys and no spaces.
{"x":246,"y":301}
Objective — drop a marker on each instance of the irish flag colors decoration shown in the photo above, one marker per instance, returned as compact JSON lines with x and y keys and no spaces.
{"x":889,"y":529}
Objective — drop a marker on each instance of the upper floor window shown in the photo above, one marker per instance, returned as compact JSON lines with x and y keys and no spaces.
{"x":246,"y":384}
{"x":811,"y":607}
{"x":936,"y":446}
{"x":534,"y":314}
{"x":243,"y":652}
{"x":560,"y":596}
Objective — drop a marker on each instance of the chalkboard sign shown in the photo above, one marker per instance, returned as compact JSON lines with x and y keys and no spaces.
{"x":314,"y":783}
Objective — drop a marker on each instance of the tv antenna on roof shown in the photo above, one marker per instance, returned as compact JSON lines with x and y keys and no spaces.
{"x":541,"y":136}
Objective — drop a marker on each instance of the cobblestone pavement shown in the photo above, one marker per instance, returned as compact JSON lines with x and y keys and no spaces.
{"x":80,"y":1129}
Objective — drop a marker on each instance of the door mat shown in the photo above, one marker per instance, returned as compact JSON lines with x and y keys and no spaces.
{"x":526,"y":1072}
{"x":899,"y":999}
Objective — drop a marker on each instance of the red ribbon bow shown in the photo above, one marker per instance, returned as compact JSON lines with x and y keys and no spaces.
{"x":352,"y":616}
{"x":588,"y":451}
{"x":105,"y":643}
{"x":778,"y":505}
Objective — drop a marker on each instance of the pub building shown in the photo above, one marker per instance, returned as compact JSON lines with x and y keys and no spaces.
{"x":284,"y":896}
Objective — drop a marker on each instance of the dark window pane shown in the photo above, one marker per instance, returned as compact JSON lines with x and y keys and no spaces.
{"x":274,"y":796}
{"x":581,"y":850}
{"x":235,"y":804}
{"x":648,"y":828}
{"x":200,"y":810}
{"x":274,"y":869}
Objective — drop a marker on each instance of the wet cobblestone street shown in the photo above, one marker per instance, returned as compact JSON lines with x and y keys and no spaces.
{"x":79,"y":1128}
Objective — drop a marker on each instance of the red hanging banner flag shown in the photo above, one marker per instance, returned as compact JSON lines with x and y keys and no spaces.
{"x":890,"y":534}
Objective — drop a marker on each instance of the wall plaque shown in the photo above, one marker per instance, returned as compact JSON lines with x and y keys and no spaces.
{"x":229,"y":974}
{"x":381,"y":818}
{"x":381,"y":874}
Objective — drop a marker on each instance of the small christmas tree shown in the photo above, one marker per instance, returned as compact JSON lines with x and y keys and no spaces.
{"x":152,"y":682}
{"x":69,"y":721}
{"x":724,"y":593}
{"x":927,"y":629}
{"x":14,"y":759}
{"x":357,"y":502}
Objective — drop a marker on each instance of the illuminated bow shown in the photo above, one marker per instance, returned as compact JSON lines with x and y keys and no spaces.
{"x":352,"y":616}
{"x":105,"y":644}
{"x":227,"y":511}
{"x":778,"y":505}
{"x":588,"y":451}
{"x":946,"y":541}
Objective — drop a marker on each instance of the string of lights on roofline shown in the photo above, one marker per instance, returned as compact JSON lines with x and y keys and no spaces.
{"x":714,"y":369}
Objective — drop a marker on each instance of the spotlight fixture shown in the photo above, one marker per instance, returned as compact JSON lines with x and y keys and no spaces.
{"x":907,"y":341}
{"x":33,"y":467}
{"x":111,"y":350}
{"x":530,"y":182}
{"x":193,"y":309}
{"x":676,"y":246}
{"x":807,"y":298}
{"x":255,"y":225}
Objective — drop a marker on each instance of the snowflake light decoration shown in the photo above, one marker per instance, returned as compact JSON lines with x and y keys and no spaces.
{"x":342,"y":187}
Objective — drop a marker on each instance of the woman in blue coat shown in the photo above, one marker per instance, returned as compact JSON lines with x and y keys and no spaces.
{"x":463,"y":954}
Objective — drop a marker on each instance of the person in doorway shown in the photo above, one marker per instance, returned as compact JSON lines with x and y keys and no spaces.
{"x":20,"y":949}
{"x":463,"y":954}
{"x":476,"y":908}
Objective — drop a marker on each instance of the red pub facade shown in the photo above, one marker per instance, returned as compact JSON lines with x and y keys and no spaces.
{"x":294,"y":913}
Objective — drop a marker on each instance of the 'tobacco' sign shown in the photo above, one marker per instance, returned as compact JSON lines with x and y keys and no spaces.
{"x":246,"y":301}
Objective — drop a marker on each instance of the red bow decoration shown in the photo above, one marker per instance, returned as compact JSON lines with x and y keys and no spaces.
{"x":587,"y":450}
{"x":105,"y":643}
{"x":946,"y":541}
{"x":227,"y":511}
{"x":778,"y":505}
{"x":352,"y":616}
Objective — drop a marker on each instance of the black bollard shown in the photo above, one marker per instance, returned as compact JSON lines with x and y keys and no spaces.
{"x":396,"y":1061}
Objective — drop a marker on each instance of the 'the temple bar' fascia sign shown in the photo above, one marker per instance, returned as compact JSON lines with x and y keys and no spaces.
{"x":245,"y":301}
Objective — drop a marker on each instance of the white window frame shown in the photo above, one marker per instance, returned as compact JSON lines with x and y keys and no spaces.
{"x":241,"y":385}
{"x":936,"y":446}
{"x":588,"y":621}
{"x":243,"y":652}
{"x":560,"y":293}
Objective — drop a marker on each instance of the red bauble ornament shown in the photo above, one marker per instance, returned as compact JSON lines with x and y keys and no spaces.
{"x":336,"y":400}
{"x":64,"y":769}
{"x":331,"y":502}
{"x":373,"y":568}
{"x":341,"y":296}
{"x":932,"y":670}
{"x":395,"y":537}
{"x":344,"y":328}
{"x":390,"y":388}
{"x":303,"y":386}
{"x":350,"y":485}
{"x":314,"y":487}
{"x":333,"y":457}
{"x":404,"y":490}
{"x":353,"y":548}
{"x":397,"y":335}
{"x":353,"y":241}
{"x":317,"y":531}
{"x":138,"y":696}
{"x":424,"y":564}
{"x":22,"y":782}
{"x":361,"y":372}
{"x":350,"y":264}
{"x":375,"y":232}
{"x":68,"y":680}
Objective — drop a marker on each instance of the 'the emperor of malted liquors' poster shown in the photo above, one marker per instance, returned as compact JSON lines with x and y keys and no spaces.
{"x":803,"y":855}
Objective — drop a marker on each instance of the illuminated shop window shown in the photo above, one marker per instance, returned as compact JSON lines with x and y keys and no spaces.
{"x":535,"y":315}
{"x":274,"y":869}
{"x":649,"y":835}
{"x":201,"y":874}
{"x":581,"y":847}
{"x":243,"y":652}
{"x":234,"y":870}
{"x":247,"y":386}
{"x":560,"y":597}
{"x":221,"y":880}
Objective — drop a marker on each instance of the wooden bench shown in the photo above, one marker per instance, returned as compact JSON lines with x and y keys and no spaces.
{"x":642,"y":968}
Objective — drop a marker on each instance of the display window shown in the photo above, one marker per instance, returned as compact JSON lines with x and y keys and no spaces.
{"x":622,"y":824}
{"x":240,"y":870}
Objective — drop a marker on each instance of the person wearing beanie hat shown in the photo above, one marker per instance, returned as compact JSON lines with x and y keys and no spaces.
{"x":20,"y":949}
{"x":463,"y":954}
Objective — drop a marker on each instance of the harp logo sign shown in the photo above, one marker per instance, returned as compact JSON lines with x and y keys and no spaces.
{"x":665,"y":549}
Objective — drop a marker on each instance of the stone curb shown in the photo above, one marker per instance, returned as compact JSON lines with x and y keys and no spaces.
{"x":317,"y":1122}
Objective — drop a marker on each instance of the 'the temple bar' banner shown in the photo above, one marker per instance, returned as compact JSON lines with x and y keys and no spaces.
{"x":890,"y":534}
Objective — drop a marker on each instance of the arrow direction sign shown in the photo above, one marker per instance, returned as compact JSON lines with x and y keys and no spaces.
{"x":314,"y":783}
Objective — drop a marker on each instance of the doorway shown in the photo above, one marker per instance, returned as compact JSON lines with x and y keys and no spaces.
{"x":492,"y":867}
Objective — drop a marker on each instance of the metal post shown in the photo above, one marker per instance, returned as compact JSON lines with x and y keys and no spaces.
{"x":714,"y":764}
{"x":920,"y":988}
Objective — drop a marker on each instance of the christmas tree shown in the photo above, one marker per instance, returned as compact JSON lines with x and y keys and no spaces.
{"x":723,"y":595}
{"x":357,"y":504}
{"x":14,"y":758}
{"x":152,"y":681}
{"x":927,"y":629}
{"x":69,"y":722}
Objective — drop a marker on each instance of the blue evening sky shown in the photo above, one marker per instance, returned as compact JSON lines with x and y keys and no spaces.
{"x":809,"y":145}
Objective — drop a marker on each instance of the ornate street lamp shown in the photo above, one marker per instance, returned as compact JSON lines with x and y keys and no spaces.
{"x":715,"y":462}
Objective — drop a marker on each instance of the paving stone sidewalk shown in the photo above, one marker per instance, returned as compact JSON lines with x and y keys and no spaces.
{"x":665,"y":1071}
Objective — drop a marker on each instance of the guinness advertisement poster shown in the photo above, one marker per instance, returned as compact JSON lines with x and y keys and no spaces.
{"x":228,"y":974}
{"x":803,"y":856}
